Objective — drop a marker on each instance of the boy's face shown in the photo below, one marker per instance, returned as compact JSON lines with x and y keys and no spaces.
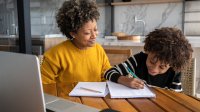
{"x":154,"y":66}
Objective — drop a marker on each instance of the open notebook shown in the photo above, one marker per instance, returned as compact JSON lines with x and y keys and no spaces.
{"x":121,"y":91}
{"x":93,"y":89}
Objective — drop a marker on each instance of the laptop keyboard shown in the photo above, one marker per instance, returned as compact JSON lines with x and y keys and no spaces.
{"x":48,"y":110}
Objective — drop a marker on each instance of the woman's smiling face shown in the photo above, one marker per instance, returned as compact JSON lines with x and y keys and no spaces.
{"x":86,"y":35}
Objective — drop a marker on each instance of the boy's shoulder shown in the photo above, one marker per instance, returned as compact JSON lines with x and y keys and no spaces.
{"x":141,"y":55}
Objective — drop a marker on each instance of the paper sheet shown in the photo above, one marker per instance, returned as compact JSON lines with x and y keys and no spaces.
{"x":121,"y":91}
{"x":96,"y":86}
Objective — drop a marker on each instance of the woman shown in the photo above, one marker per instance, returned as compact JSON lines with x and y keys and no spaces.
{"x":80,"y":58}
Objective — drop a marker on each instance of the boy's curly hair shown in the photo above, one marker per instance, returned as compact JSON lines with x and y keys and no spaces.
{"x":170,"y":46}
{"x":74,"y":14}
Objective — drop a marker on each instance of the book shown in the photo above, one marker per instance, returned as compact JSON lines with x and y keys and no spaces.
{"x":121,"y":91}
{"x":92,"y":89}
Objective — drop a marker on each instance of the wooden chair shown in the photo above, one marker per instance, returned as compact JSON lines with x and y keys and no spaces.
{"x":117,"y":56}
{"x":50,"y":42}
{"x":188,"y":79}
{"x":40,"y":57}
{"x":48,"y":88}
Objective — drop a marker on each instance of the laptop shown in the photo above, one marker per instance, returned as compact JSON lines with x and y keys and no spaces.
{"x":21,"y":87}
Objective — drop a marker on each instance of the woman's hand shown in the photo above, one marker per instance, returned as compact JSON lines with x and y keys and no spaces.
{"x":131,"y":82}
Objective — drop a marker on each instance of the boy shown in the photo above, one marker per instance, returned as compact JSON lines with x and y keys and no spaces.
{"x":167,"y":52}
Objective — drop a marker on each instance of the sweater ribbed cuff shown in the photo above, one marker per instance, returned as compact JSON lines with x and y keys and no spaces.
{"x":115,"y":77}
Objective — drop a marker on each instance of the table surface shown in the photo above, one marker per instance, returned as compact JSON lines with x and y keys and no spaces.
{"x":165,"y":100}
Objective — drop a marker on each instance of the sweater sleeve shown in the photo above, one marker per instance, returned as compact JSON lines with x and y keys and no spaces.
{"x":49,"y":69}
{"x":105,"y":62}
{"x":176,"y":83}
{"x":116,"y":71}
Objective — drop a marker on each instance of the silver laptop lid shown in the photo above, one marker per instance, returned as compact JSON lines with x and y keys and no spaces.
{"x":20,"y":83}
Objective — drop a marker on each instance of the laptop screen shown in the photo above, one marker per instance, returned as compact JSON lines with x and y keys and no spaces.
{"x":20,"y":83}
{"x":21,"y":87}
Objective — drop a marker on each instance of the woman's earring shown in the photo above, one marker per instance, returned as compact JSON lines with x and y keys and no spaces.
{"x":73,"y":37}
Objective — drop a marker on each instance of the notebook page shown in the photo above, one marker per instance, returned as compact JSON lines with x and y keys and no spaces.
{"x":83,"y":89}
{"x":121,"y":91}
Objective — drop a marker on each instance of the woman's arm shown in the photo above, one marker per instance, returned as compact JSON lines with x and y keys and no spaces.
{"x":49,"y":70}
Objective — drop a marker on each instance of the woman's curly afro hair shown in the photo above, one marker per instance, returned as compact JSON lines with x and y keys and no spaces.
{"x":74,"y":14}
{"x":169,"y":46}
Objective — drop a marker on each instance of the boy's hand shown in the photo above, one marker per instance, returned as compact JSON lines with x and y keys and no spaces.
{"x":131,"y":82}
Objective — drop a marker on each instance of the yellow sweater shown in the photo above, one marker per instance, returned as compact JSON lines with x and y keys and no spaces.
{"x":67,"y":64}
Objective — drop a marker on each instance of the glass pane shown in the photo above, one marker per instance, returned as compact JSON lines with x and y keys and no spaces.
{"x":9,"y":26}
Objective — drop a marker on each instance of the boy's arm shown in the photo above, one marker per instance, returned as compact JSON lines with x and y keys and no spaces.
{"x":119,"y":73}
{"x":112,"y":74}
{"x":116,"y":71}
{"x":121,"y":70}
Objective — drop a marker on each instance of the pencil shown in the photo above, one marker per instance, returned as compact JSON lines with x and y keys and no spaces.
{"x":91,"y":90}
{"x":129,"y":70}
{"x":135,"y":76}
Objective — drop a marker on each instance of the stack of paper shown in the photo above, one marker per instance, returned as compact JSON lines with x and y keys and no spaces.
{"x":121,"y":91}
{"x":93,"y":89}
